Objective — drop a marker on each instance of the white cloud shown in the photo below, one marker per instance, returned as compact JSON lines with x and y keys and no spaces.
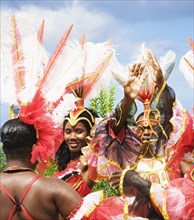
{"x":117,"y":22}
{"x":93,"y":25}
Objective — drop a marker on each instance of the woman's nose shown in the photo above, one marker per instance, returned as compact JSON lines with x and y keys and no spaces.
{"x":73,"y":135}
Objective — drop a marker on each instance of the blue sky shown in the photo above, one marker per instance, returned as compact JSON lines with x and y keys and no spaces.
{"x":162,"y":25}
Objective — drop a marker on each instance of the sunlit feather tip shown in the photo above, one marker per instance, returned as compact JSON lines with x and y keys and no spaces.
{"x":41,"y":32}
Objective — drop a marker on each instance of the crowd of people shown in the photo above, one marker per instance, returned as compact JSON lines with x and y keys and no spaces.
{"x":150,"y":161}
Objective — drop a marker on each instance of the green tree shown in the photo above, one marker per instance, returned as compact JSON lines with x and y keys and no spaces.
{"x":106,"y":187}
{"x":104,"y":103}
{"x":2,"y":159}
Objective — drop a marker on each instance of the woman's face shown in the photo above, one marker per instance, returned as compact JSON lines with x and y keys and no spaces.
{"x":75,"y":136}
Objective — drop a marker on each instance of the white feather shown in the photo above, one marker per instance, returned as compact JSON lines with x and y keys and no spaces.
{"x":141,"y":56}
{"x":76,"y":62}
{"x":186,"y":69}
{"x":68,"y":67}
{"x":167,"y":60}
{"x":8,"y":93}
{"x":63,"y":108}
{"x":94,"y":55}
{"x":35,"y":57}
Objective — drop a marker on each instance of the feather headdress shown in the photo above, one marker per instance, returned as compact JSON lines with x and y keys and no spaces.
{"x":166,"y":63}
{"x":94,"y":73}
{"x":33,"y":76}
{"x":186,"y":64}
{"x":147,"y":90}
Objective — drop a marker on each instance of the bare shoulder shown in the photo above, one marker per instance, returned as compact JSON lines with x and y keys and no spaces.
{"x":63,"y":195}
{"x":55,"y":186}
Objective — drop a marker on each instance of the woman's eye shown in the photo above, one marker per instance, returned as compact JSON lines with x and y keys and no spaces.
{"x":79,"y":131}
{"x":67,"y":131}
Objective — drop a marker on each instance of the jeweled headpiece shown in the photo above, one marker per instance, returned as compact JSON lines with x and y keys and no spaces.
{"x":148,"y":92}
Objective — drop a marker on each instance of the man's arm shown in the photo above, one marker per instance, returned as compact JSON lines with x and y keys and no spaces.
{"x":65,"y":197}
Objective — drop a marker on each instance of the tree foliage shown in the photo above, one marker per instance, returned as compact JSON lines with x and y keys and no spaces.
{"x":104,"y":103}
{"x":2,"y":159}
{"x":108,"y":190}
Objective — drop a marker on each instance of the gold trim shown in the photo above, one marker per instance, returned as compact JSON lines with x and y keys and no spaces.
{"x":162,"y":209}
{"x":121,"y":181}
{"x":16,"y":50}
{"x":126,"y":213}
{"x":159,"y":94}
{"x":180,"y":138}
{"x":188,"y":63}
{"x":77,"y":184}
{"x":11,"y":112}
{"x":192,"y":174}
{"x":73,"y":118}
{"x":91,"y":209}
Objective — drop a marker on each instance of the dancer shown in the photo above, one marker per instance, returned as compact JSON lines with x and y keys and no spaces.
{"x":80,"y":122}
{"x":33,"y":137}
{"x":68,"y":157}
{"x":155,"y":134}
{"x":159,"y":129}
{"x":24,"y":192}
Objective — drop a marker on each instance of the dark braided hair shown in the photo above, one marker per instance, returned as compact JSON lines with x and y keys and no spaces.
{"x":17,"y":135}
{"x":63,"y":155}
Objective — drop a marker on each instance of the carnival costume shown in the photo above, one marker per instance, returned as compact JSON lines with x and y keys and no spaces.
{"x":39,"y":84}
{"x":72,"y":175}
{"x":175,"y":200}
{"x":172,"y":137}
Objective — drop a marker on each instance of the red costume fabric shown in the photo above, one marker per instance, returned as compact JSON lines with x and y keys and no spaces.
{"x":72,"y":175}
{"x":94,"y":206}
{"x":175,"y":201}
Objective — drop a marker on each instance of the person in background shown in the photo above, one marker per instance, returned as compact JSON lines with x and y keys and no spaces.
{"x":165,"y":130}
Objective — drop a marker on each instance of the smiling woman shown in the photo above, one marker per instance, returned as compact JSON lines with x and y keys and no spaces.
{"x":76,"y":128}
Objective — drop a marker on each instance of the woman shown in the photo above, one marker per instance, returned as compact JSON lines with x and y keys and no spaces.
{"x":68,"y":157}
